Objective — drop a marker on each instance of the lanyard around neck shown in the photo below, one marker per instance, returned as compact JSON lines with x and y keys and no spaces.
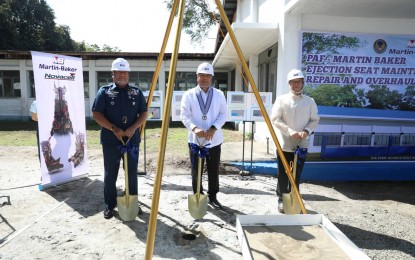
{"x":204,"y":107}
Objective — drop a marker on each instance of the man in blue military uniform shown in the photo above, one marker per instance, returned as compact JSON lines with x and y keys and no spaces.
{"x":120,"y":109}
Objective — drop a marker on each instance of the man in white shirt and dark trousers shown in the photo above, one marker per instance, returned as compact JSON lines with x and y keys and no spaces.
{"x":203,"y":112}
{"x":295,"y":117}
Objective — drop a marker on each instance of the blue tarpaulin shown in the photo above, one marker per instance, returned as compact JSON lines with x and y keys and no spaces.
{"x":341,"y":171}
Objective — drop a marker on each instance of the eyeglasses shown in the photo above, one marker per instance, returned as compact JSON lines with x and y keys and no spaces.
{"x":202,"y":75}
{"x":298,"y":81}
{"x":119,"y":72}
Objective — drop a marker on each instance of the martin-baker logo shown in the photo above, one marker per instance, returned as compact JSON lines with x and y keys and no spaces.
{"x":58,"y":60}
{"x":411,"y":44}
{"x":58,"y":67}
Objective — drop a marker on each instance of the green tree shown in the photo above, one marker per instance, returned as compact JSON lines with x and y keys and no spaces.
{"x":63,"y":40}
{"x":107,"y":48}
{"x":96,"y":48}
{"x":329,"y":44}
{"x":8,"y":30}
{"x":408,"y":99}
{"x":325,"y":95}
{"x":197,"y":19}
{"x":30,"y":25}
{"x":381,"y":97}
{"x":317,"y":43}
{"x":335,"y":95}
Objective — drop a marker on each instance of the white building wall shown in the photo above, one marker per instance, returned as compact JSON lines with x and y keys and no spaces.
{"x":267,"y":11}
{"x":408,"y":129}
{"x":92,"y":83}
{"x":238,"y":81}
{"x":247,"y":14}
{"x":358,"y":25}
{"x":258,"y":11}
{"x":330,"y":128}
{"x":288,"y":50}
{"x":351,"y":128}
{"x":386,"y":129}
{"x":254,"y":69}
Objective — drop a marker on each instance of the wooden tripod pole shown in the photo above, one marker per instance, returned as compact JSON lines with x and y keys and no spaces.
{"x":152,"y":225}
{"x":260,"y":103}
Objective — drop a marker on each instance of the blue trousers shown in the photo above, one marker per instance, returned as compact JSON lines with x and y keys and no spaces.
{"x":112,"y":160}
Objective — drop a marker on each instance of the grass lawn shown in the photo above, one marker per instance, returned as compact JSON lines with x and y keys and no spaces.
{"x":24,"y":134}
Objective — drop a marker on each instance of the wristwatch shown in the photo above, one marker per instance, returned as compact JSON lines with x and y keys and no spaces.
{"x":213,"y":127}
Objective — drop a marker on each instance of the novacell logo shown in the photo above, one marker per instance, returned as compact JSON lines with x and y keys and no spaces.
{"x":71,"y":77}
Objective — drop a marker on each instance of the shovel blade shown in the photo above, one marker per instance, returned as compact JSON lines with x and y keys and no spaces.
{"x":127,"y":207}
{"x":290,"y":203}
{"x":197,"y":206}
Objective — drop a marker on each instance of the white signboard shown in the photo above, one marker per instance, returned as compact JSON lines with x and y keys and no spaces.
{"x":61,"y":113}
{"x":244,"y":106}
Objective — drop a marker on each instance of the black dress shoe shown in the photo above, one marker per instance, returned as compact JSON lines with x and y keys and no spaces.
{"x":108,"y":213}
{"x":215,"y":203}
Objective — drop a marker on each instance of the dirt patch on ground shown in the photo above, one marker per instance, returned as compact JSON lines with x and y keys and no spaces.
{"x":66,"y":221}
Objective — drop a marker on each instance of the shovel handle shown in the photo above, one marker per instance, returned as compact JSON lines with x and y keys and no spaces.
{"x":295,"y":166}
{"x":199,"y":177}
{"x":127,"y":191}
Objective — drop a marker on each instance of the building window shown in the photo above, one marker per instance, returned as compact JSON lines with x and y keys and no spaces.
{"x":86,"y":84}
{"x":32,"y":84}
{"x":395,"y":139}
{"x":103,"y":78}
{"x":364,"y":139}
{"x":183,"y":80}
{"x":232,"y":87}
{"x":332,"y":139}
{"x":10,"y":83}
{"x":220,"y":81}
{"x":268,"y":71}
{"x":143,"y":80}
{"x":267,"y":77}
{"x":381,"y":140}
{"x":357,"y":139}
{"x":188,"y":80}
{"x":245,"y":81}
{"x":408,"y":139}
{"x":385,"y":139}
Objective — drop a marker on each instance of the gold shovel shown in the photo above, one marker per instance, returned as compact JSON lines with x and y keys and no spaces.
{"x":127,"y":204}
{"x":197,"y":203}
{"x":289,"y":200}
